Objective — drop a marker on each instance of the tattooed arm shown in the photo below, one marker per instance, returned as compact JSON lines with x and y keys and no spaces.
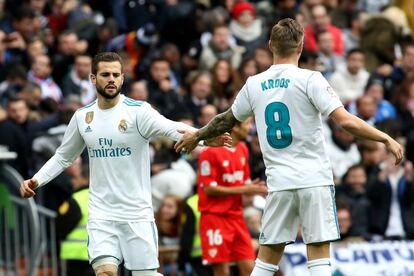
{"x":220,"y":124}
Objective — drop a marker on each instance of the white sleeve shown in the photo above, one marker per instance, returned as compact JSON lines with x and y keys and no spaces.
{"x":241,"y":107}
{"x":321,"y":94}
{"x":71,"y":147}
{"x":152,"y":124}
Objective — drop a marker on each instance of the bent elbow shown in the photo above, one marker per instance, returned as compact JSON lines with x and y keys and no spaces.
{"x":349,"y":125}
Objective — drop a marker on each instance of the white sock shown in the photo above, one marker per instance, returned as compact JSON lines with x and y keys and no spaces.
{"x":264,"y":269}
{"x":320,"y":267}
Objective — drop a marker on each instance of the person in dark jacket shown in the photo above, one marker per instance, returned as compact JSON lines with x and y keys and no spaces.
{"x":392,"y":201}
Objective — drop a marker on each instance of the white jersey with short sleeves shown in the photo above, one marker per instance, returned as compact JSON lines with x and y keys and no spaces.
{"x":287,"y":103}
{"x":117,"y":140}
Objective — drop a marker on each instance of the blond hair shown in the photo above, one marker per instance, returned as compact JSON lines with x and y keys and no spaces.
{"x":286,"y":36}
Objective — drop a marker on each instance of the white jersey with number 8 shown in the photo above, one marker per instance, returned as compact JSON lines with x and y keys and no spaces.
{"x":287,"y":103}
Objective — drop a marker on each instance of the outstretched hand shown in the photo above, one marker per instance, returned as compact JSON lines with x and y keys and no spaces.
{"x":396,"y":150}
{"x":188,"y":142}
{"x":27,"y":187}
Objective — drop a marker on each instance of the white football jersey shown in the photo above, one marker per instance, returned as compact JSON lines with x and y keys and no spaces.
{"x":117,"y":140}
{"x":287,"y":103}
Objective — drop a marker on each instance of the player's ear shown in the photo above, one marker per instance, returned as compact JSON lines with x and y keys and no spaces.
{"x":93,"y":78}
{"x":269,"y":45}
{"x":122,"y":78}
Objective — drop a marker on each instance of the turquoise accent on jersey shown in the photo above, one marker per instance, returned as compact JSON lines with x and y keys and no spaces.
{"x":131,"y":102}
{"x":275,"y":83}
{"x":88,"y":105}
{"x":334,"y":210}
{"x":281,"y":125}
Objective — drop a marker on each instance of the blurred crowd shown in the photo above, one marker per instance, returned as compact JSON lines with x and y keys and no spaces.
{"x":189,"y":58}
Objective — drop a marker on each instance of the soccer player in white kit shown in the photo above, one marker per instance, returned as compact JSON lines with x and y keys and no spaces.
{"x":116,"y":131}
{"x":287,"y":103}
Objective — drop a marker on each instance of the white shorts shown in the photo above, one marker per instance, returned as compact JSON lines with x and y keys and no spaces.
{"x":312,"y":208}
{"x":135,"y":243}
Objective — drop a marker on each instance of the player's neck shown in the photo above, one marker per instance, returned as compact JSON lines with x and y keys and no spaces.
{"x":294,"y":59}
{"x":104,"y":103}
{"x":235,"y":140}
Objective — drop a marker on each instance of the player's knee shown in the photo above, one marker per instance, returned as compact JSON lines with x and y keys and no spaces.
{"x":152,"y":272}
{"x":106,"y":270}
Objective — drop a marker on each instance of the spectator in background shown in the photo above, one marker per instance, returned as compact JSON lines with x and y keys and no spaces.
{"x":308,"y":61}
{"x":77,"y":81}
{"x":366,"y":109}
{"x":162,"y":93}
{"x":329,"y":60}
{"x":190,"y":242}
{"x":379,"y":38}
{"x":263,"y":58}
{"x":257,"y":166}
{"x":392,"y":201}
{"x":69,"y":46}
{"x":36,"y":47}
{"x":40,"y":73}
{"x":352,"y":35}
{"x":306,"y":7}
{"x":72,"y":221}
{"x":246,"y":28}
{"x":372,"y":154}
{"x":385,"y":110}
{"x":345,"y":221}
{"x":15,"y":79}
{"x":168,"y":220}
{"x":199,"y":93}
{"x":13,"y":138}
{"x":253,"y":217}
{"x":138,"y":90}
{"x":322,"y":22}
{"x":219,"y":48}
{"x":19,"y":114}
{"x":177,"y":180}
{"x":225,"y":83}
{"x":349,"y":81}
{"x":21,"y":24}
{"x":207,"y":113}
{"x":248,"y":68}
{"x":342,"y":150}
{"x":31,"y":93}
{"x":403,"y":100}
{"x":353,"y":190}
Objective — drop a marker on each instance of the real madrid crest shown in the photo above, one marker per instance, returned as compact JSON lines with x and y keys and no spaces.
{"x":89,"y":117}
{"x":122,"y":127}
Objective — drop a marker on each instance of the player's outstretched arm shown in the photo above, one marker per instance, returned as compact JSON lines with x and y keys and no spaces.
{"x":361,"y":129}
{"x":27,"y":187}
{"x":220,"y":124}
{"x":256,"y":187}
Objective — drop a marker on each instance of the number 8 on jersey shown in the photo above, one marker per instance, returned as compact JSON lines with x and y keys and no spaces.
{"x":278,"y":132}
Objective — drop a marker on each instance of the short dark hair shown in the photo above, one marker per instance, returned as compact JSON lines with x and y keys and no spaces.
{"x":353,"y":51}
{"x":106,"y":57}
{"x":23,"y":12}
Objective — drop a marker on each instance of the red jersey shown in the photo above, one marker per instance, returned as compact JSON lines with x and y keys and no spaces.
{"x":221,"y":166}
{"x":312,"y":46}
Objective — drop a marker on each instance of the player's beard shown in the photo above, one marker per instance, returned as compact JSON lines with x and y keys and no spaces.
{"x":106,"y":95}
